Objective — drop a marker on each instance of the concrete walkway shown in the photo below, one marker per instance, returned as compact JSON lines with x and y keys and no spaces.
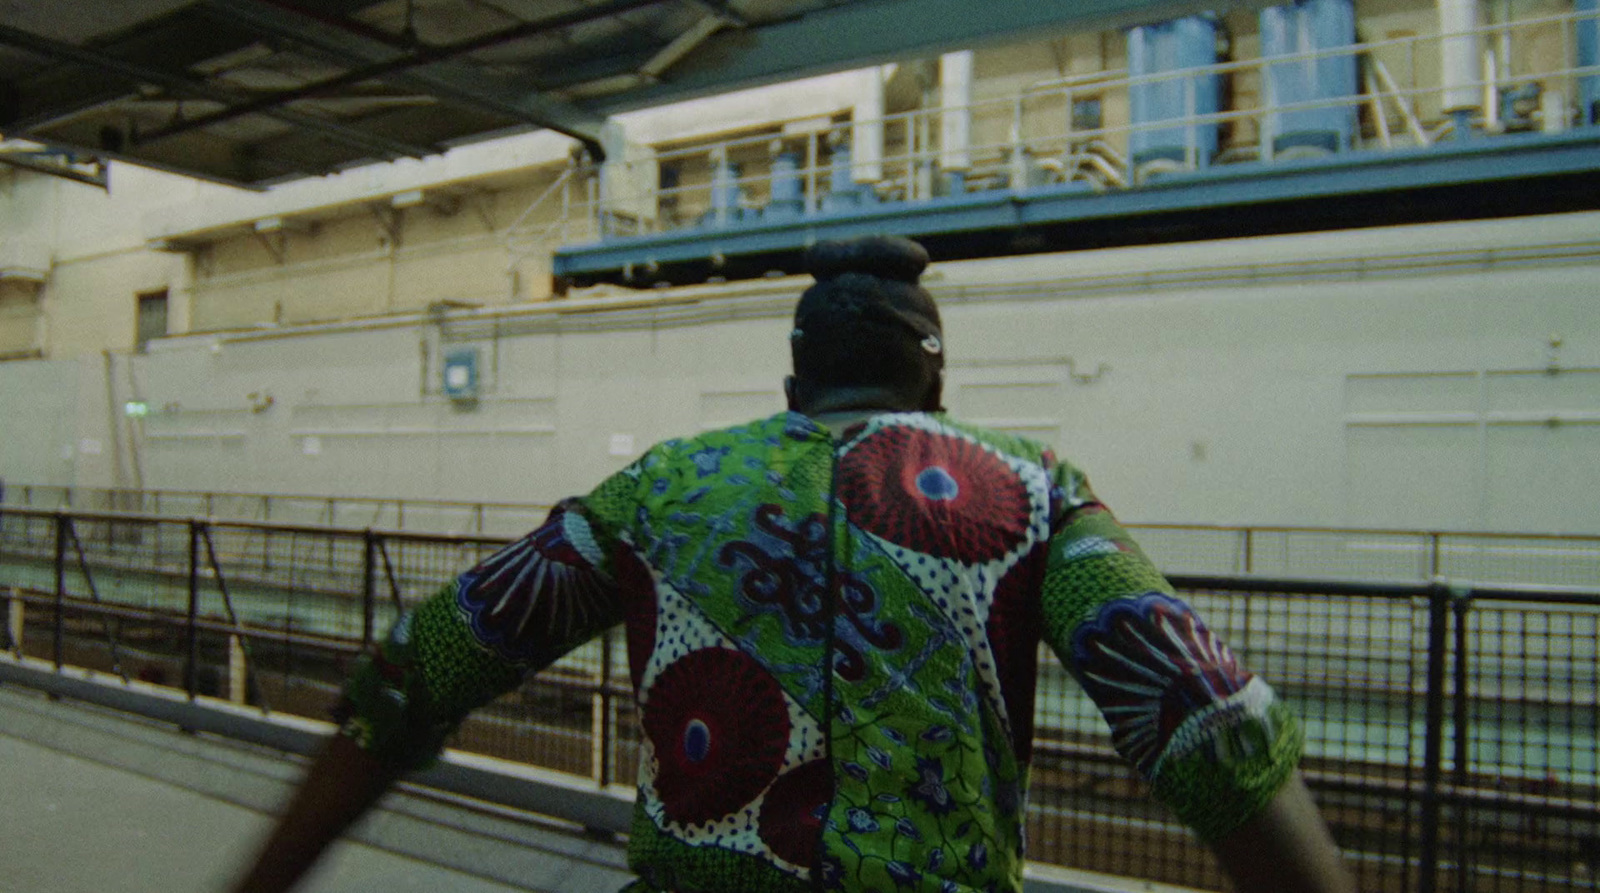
{"x":96,"y":802}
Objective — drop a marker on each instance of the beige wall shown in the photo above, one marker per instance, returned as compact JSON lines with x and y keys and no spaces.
{"x":1272,"y":397}
{"x":99,"y":260}
{"x":20,"y":318}
{"x":452,"y":248}
{"x":1272,"y":380}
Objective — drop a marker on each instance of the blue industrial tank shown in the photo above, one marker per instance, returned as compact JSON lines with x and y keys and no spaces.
{"x":788,"y":199}
{"x":1303,"y":27}
{"x":1588,"y":57}
{"x":1165,"y":48}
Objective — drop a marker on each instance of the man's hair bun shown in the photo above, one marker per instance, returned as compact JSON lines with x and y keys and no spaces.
{"x":886,"y":257}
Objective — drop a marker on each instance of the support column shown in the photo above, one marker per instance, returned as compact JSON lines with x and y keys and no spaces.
{"x":14,"y":609}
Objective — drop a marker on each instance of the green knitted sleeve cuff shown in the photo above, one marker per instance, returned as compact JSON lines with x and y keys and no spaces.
{"x":1216,"y":788}
{"x":406,"y":698}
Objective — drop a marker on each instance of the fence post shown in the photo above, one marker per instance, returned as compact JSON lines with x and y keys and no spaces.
{"x":369,"y":584}
{"x":1462,"y":603}
{"x":59,"y":634}
{"x":603,"y":702}
{"x":1433,"y":745}
{"x":191,"y":666}
{"x":238,"y":671}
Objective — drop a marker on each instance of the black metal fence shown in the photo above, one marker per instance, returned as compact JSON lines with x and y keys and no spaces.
{"x":1545,"y":559}
{"x":1451,"y":732}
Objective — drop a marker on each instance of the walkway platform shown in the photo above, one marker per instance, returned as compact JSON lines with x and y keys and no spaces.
{"x":102,"y":801}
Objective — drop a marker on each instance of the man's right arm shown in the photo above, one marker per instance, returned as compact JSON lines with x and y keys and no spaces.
{"x":1285,"y":847}
{"x":342,"y":784}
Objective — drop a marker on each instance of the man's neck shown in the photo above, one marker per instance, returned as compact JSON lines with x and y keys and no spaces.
{"x":841,"y":420}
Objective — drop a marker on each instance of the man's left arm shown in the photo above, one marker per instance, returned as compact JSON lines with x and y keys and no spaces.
{"x":1214,"y":741}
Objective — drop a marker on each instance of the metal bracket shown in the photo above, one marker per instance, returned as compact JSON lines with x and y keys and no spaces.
{"x":391,"y":224}
{"x":275,"y":241}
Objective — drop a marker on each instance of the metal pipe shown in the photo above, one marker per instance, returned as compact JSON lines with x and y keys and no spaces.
{"x":94,"y":596}
{"x":1402,"y":102}
{"x":1462,"y":604}
{"x":1379,"y":116}
{"x":61,"y":587}
{"x":368,"y":585}
{"x":607,"y":736}
{"x":388,"y":574}
{"x":191,"y":667}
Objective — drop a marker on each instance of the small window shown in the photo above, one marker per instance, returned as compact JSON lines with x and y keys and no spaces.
{"x":152,"y":317}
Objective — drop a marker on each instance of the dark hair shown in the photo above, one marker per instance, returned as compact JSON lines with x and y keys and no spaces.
{"x":866,"y":324}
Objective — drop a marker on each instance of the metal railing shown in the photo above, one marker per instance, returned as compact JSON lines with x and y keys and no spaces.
{"x":1452,"y":732}
{"x":1043,"y":135}
{"x":1542,"y":559}
{"x":387,"y":513}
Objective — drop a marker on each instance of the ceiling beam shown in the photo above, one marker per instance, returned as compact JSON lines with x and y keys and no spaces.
{"x":183,"y":85}
{"x":172,"y":43}
{"x":406,"y":58}
{"x":446,"y":78}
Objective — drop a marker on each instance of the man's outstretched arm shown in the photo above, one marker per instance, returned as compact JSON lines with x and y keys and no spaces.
{"x":1213,"y":739}
{"x":342,"y":783}
{"x":1286,"y":848}
{"x":510,"y":616}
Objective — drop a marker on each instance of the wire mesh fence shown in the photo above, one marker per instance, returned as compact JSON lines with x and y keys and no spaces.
{"x":1261,"y":550}
{"x":1452,"y":737}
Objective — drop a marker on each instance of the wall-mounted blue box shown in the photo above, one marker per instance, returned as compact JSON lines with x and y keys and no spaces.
{"x":460,"y":373}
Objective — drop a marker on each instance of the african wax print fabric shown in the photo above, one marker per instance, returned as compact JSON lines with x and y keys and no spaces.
{"x":833,"y":644}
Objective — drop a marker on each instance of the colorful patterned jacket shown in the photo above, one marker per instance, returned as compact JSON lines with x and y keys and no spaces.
{"x":944,"y":556}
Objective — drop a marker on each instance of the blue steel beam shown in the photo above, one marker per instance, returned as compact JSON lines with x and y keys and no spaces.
{"x":1223,"y":189}
{"x":866,"y":32}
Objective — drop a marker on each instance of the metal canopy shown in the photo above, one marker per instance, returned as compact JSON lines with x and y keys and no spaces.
{"x":254,"y":92}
